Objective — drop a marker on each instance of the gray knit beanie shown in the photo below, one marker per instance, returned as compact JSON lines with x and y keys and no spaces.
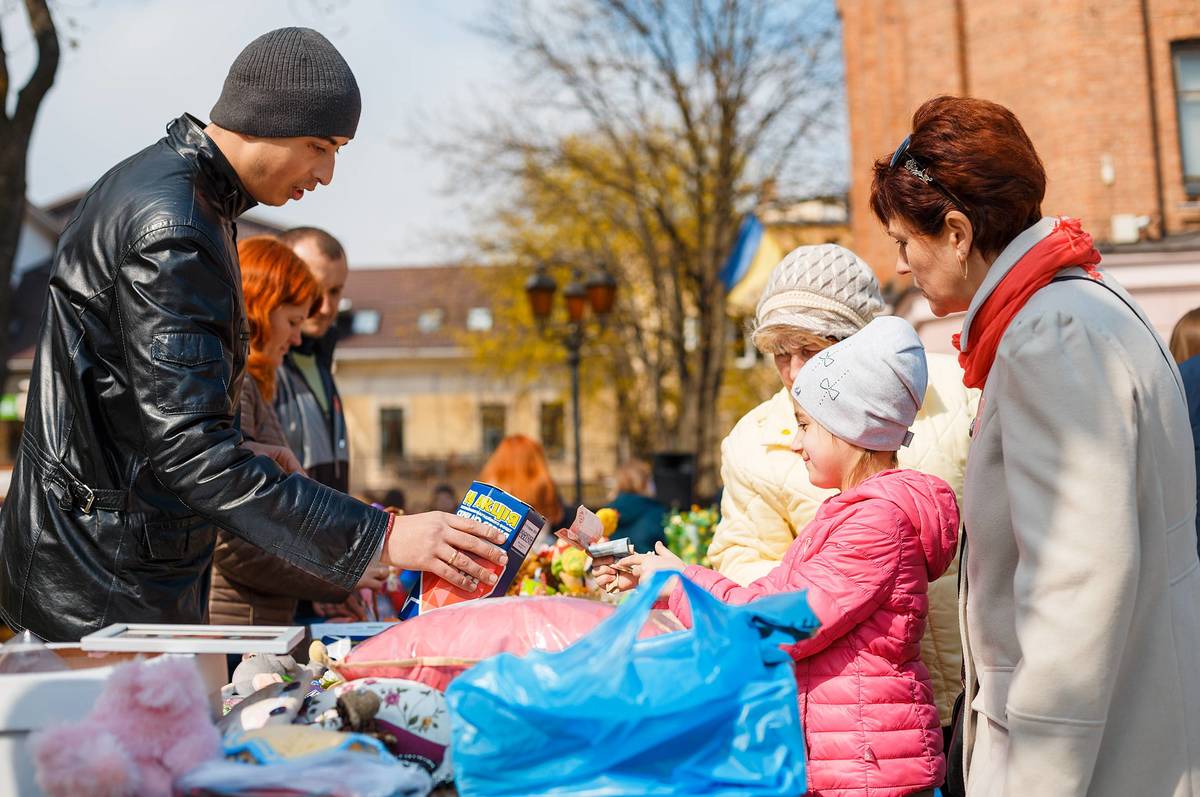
{"x":868,"y":388}
{"x":289,"y":82}
{"x":826,"y":290}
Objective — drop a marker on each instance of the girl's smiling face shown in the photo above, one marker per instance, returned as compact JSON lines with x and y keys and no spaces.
{"x":829,"y":459}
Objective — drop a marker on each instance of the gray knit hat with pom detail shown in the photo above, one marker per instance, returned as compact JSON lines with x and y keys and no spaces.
{"x":826,"y":290}
{"x":290,"y":82}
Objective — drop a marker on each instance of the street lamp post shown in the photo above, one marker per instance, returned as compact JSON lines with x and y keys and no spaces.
{"x":599,"y":291}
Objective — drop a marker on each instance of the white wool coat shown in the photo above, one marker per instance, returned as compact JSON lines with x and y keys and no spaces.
{"x":1082,"y":588}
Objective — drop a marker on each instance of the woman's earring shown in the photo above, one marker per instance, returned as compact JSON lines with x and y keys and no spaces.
{"x":962,"y":264}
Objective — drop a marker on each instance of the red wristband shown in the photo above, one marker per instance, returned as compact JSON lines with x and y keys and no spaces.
{"x":387,"y":534}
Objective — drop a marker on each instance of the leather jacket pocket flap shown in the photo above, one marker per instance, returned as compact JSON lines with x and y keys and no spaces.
{"x":186,"y":348}
{"x":190,"y":373}
{"x":176,"y":539}
{"x":992,"y":700}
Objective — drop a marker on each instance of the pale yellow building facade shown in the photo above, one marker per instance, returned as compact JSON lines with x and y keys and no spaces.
{"x":421,"y":412}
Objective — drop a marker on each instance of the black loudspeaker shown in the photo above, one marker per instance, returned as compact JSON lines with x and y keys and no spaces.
{"x":674,"y":478}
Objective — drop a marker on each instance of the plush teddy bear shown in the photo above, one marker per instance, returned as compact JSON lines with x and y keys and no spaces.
{"x":149,"y":725}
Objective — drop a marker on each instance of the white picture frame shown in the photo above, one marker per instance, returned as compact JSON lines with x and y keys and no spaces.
{"x":167,"y":638}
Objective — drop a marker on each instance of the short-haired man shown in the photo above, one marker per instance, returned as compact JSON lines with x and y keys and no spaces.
{"x":131,"y":455}
{"x":307,"y":400}
{"x":306,"y":395}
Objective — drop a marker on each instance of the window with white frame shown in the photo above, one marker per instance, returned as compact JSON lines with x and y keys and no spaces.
{"x":430,"y":321}
{"x":1186,"y":58}
{"x":364,"y":322}
{"x":479,"y":319}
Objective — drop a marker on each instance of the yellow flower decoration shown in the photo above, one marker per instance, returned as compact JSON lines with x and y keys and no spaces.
{"x":609,"y":518}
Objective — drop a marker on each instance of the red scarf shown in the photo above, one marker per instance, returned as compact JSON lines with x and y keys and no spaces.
{"x":1068,"y":246}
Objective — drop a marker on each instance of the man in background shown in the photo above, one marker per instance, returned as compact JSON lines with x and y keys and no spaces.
{"x":306,"y":396}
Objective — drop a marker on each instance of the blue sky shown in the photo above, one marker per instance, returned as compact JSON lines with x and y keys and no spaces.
{"x":141,"y":63}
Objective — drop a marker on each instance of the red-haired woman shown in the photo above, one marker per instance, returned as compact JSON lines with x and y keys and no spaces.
{"x":518,"y":466}
{"x":249,"y":585}
{"x":1082,"y":586}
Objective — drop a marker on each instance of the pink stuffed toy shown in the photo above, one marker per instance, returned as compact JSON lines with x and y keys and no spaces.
{"x":149,"y":725}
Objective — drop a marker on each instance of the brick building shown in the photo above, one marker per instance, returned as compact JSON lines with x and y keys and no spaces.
{"x":1109,"y":91}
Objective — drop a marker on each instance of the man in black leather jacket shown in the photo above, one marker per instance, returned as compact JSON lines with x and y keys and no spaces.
{"x":131,"y":455}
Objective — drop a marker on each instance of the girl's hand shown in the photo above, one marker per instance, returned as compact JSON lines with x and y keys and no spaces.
{"x":648,"y":564}
{"x":609,"y":578}
{"x":661,"y":559}
{"x":636,"y":569}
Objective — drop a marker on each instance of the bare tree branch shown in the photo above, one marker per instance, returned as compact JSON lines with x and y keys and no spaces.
{"x":46,"y":36}
{"x":650,"y":127}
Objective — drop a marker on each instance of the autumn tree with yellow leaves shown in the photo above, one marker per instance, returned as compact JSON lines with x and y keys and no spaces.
{"x":646,"y":131}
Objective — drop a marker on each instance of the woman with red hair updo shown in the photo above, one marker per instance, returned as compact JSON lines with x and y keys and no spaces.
{"x":518,"y":467}
{"x":280,"y":294}
{"x":1081,"y":588}
{"x":249,"y":585}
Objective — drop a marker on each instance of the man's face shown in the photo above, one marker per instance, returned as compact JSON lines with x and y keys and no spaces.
{"x":331,"y":273}
{"x":280,"y":169}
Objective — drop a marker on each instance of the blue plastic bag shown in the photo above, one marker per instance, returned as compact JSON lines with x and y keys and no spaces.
{"x":712,"y":710}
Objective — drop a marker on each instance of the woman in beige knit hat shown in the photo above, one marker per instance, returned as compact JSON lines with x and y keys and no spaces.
{"x":816,"y":296}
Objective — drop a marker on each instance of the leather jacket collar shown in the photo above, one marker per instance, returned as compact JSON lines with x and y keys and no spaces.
{"x":188,"y":138}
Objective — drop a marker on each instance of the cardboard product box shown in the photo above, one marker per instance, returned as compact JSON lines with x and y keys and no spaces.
{"x":492,"y":506}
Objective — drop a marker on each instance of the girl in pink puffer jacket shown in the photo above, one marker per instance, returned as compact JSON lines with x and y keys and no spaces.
{"x":866,"y":560}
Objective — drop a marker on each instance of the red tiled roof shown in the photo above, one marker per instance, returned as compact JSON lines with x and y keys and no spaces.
{"x":402,"y":295}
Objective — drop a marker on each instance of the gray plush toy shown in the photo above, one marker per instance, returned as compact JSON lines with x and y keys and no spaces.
{"x":258,"y":670}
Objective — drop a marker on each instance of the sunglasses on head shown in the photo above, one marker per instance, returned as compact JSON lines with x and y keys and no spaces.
{"x":914,"y":167}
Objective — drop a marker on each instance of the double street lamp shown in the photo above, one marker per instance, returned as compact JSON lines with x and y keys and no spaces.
{"x":599,"y":290}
